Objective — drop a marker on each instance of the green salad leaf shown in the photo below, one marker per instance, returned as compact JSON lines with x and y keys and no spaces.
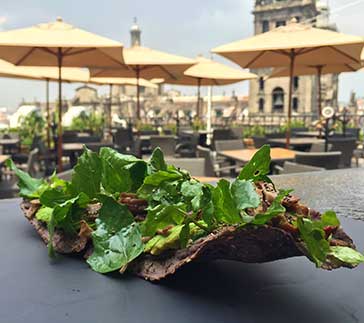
{"x":121,"y":173}
{"x":86,"y":177}
{"x":347,"y":255}
{"x":114,"y":251}
{"x":258,"y":167}
{"x":29,"y":187}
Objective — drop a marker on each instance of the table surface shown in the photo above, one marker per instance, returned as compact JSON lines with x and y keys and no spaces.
{"x":36,"y":290}
{"x":307,"y":133}
{"x":4,"y":158}
{"x":244,"y":155}
{"x":302,"y":141}
{"x":9,"y":141}
{"x":76,"y":146}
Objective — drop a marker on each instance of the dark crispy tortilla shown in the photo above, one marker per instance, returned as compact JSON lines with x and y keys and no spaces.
{"x":249,"y":244}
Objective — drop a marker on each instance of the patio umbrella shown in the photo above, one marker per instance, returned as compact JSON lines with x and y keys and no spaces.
{"x":119,"y":81}
{"x":61,"y":45}
{"x":209,"y":72}
{"x":146,"y":63}
{"x":318,"y":70}
{"x":292,"y":45}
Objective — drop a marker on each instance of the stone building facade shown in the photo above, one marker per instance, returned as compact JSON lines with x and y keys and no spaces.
{"x":270,"y":95}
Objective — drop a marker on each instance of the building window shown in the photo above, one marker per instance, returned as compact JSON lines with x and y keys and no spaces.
{"x":280,"y":23}
{"x":296,"y":83}
{"x":261,"y":84}
{"x":295,"y":105}
{"x":265,"y":26}
{"x":261,"y":105}
{"x":278,"y":99}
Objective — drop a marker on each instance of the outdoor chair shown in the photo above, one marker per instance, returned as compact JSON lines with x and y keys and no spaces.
{"x":291,"y":168}
{"x":352,"y":132}
{"x":358,"y":153}
{"x":123,"y":139}
{"x":346,"y":145}
{"x":66,"y":175}
{"x":221,"y":134}
{"x":296,"y":130}
{"x":187,"y":146}
{"x":31,"y":166}
{"x":319,"y":147}
{"x":214,"y":168}
{"x":237,"y":132}
{"x":233,"y":144}
{"x":96,"y":147}
{"x":166,"y":143}
{"x":195,"y":166}
{"x":275,"y":135}
{"x":327,"y":160}
{"x":259,"y":141}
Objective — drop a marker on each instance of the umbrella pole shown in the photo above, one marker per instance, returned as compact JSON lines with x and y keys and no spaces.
{"x":138,"y":92}
{"x":291,"y":71}
{"x":48,"y":115}
{"x":109,"y":118}
{"x":319,"y":99}
{"x":209,"y":108}
{"x":60,"y":141}
{"x":198,"y":97}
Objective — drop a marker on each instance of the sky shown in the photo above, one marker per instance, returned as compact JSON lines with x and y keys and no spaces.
{"x":189,"y":28}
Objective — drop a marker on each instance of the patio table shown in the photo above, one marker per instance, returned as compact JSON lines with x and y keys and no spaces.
{"x":9,"y":143}
{"x":35,"y":289}
{"x":73,"y":149}
{"x":244,"y":155}
{"x":296,"y":143}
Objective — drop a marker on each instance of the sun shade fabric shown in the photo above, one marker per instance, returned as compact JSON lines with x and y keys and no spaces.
{"x":311,"y":45}
{"x":313,"y":70}
{"x":38,"y":45}
{"x":210,"y":72}
{"x":150,"y":63}
{"x":122,"y":81}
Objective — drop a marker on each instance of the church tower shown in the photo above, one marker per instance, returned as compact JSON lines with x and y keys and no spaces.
{"x":270,"y":95}
{"x":135,"y":34}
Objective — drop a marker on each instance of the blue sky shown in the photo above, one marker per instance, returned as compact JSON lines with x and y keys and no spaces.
{"x":188,"y":27}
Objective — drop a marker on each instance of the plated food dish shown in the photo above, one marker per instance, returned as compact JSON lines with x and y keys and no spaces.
{"x":148,"y":218}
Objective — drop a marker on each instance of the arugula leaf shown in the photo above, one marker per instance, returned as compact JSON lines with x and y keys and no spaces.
{"x":121,"y":173}
{"x":244,"y":194}
{"x":224,"y":203}
{"x":347,"y":255}
{"x":329,"y":218}
{"x":114,"y":251}
{"x":161,"y":216}
{"x":53,"y":196}
{"x":276,"y":208}
{"x":156,"y":161}
{"x":176,"y":238}
{"x":86,"y":177}
{"x":258,"y":167}
{"x":29,"y":187}
{"x":114,"y":215}
{"x":44,"y":214}
{"x":313,"y":235}
{"x":155,"y":180}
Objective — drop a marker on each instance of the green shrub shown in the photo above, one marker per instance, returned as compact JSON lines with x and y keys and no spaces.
{"x":31,"y":125}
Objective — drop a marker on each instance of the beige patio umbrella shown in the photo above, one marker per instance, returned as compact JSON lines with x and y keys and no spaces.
{"x":209,"y":72}
{"x":292,"y":45}
{"x":146,"y":63}
{"x":119,"y":81}
{"x":61,"y":45}
{"x":317,"y":70}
